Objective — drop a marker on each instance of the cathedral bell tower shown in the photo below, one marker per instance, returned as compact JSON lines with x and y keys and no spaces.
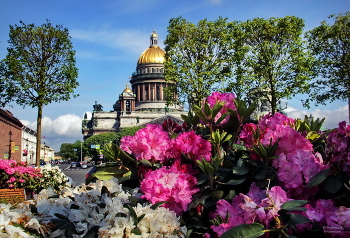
{"x":127,"y":101}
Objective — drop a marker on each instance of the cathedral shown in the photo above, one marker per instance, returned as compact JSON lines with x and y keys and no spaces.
{"x":142,"y":103}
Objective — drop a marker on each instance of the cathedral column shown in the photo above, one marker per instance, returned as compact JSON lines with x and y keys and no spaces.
{"x":149,"y":91}
{"x":138,"y":92}
{"x":161,"y":91}
{"x":143,"y":92}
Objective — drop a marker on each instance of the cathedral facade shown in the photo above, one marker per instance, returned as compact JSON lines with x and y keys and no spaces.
{"x":142,"y":103}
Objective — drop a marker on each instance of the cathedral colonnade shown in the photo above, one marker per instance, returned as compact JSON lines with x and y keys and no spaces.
{"x":149,"y":91}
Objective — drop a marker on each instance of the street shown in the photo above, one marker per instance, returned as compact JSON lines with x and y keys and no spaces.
{"x":77,"y":174}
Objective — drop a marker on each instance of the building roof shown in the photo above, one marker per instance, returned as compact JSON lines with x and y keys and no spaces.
{"x":153,"y":54}
{"x":160,"y":120}
{"x":8,"y":116}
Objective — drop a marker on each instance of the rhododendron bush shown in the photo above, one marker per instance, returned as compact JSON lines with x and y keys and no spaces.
{"x":219,"y":174}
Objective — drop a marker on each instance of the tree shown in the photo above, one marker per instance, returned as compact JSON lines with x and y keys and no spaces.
{"x":75,"y":151}
{"x":38,"y":69}
{"x":197,"y":58}
{"x":127,"y":131}
{"x":330,"y":44}
{"x":275,"y":63}
{"x":101,"y":140}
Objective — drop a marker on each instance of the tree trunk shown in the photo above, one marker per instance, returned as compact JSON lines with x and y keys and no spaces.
{"x":38,"y":135}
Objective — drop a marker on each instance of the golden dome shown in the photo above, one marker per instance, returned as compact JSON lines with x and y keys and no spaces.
{"x":153,"y":54}
{"x":127,"y":90}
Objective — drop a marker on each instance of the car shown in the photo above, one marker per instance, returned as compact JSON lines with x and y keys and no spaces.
{"x":84,"y":165}
{"x":73,"y":165}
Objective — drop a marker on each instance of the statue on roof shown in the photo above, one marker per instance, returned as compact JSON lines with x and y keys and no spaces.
{"x":97,"y":107}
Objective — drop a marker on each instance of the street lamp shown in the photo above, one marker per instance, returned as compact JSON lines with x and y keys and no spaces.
{"x":81,"y":152}
{"x":44,"y":151}
{"x":10,"y":151}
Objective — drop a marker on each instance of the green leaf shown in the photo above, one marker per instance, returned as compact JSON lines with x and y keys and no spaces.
{"x":136,"y":231}
{"x":230,"y":195}
{"x":260,"y":174}
{"x":141,"y":217}
{"x":146,"y":162}
{"x":294,"y":219}
{"x":217,"y":195}
{"x":333,"y":183}
{"x":240,"y":170}
{"x":68,"y":227}
{"x":61,"y":216}
{"x":132,"y":213}
{"x":244,"y":231}
{"x":318,"y":178}
{"x":92,"y":233}
{"x":293,"y":203}
{"x":33,"y":209}
{"x":194,"y":222}
{"x":236,"y":181}
{"x":201,"y":178}
{"x":157,"y":204}
{"x":104,"y":190}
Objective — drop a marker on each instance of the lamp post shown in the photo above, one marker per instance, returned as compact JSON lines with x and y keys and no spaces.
{"x":44,"y":152}
{"x":10,"y":151}
{"x":27,"y":151}
{"x":81,"y":152}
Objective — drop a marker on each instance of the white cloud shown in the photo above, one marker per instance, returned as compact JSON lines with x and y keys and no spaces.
{"x":130,"y":41}
{"x":215,"y":1}
{"x":333,"y":117}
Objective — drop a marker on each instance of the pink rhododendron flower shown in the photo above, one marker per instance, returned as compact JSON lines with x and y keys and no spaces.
{"x":150,"y":143}
{"x":17,"y":173}
{"x":231,"y":210}
{"x":338,"y":149}
{"x":343,"y":216}
{"x":192,"y":145}
{"x":296,"y":169}
{"x":256,"y":206}
{"x":322,"y":211}
{"x":271,"y":121}
{"x":172,"y":185}
{"x":288,"y":140}
{"x":222,"y":97}
{"x":290,"y":175}
{"x":247,"y":134}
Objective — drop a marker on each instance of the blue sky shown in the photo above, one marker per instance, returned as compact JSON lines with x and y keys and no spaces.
{"x":110,"y":35}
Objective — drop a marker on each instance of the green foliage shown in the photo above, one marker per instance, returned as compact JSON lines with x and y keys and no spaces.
{"x":198,"y":58}
{"x":274,"y":62}
{"x":74,"y":151}
{"x":114,"y":154}
{"x":39,"y":68}
{"x":244,"y":231}
{"x":128,"y":131}
{"x":101,"y":140}
{"x":330,"y":45}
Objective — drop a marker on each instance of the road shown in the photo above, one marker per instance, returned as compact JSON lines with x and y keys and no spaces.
{"x":77,"y":174}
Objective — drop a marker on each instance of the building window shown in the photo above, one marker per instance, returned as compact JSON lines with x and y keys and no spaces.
{"x":128,"y":107}
{"x":153,"y":70}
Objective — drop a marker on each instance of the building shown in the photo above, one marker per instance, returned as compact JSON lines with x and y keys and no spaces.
{"x":29,"y":140}
{"x":144,"y":102}
{"x":47,"y":154}
{"x":10,"y":136}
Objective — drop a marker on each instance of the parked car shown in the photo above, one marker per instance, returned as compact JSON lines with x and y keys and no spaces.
{"x":84,"y":165}
{"x":73,"y":165}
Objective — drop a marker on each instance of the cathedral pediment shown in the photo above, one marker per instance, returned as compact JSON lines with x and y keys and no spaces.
{"x":160,"y":120}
